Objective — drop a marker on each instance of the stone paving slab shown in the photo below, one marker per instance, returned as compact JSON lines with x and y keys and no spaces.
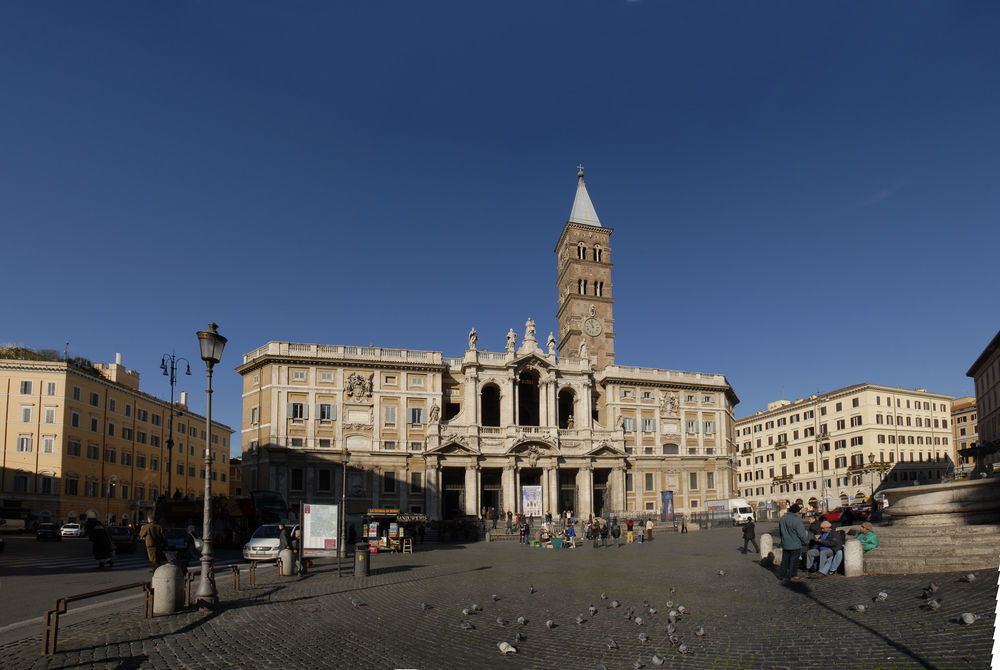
{"x":750,"y":619}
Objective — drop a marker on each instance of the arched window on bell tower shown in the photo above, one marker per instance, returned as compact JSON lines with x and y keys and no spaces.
{"x":581,"y":251}
{"x":597,"y":253}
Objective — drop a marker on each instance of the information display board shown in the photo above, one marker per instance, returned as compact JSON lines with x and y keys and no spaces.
{"x":320,"y":525}
{"x":531,"y":500}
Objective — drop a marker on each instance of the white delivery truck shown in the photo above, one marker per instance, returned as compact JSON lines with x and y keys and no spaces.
{"x":738,"y":509}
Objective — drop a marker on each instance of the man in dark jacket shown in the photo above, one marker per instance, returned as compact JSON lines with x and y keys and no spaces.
{"x":793,"y":538}
{"x":750,"y":536}
{"x":828,"y":549}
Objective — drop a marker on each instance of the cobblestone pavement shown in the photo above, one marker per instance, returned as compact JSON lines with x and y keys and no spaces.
{"x":750,"y":619}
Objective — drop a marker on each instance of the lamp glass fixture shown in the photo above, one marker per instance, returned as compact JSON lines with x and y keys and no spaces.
{"x":211,"y":344}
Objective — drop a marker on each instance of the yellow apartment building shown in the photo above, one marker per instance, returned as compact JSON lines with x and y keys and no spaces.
{"x":545,"y":425}
{"x":83,"y":442}
{"x":965,"y":427}
{"x":840,"y":447}
{"x":985,"y":373}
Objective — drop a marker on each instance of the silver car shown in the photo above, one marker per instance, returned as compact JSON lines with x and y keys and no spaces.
{"x":263,"y":544}
{"x":71,"y":530}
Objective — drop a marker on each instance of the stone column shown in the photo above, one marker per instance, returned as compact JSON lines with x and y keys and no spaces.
{"x":471,"y":499}
{"x":617,"y":480}
{"x":404,"y":490}
{"x":508,"y":485}
{"x":517,"y":488}
{"x":471,"y":408}
{"x":376,"y":485}
{"x":432,"y":490}
{"x":584,"y":491}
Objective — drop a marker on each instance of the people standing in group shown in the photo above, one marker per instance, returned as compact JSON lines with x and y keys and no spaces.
{"x":616,"y":532}
{"x":793,"y":538}
{"x":104,"y":548}
{"x":604,"y":534}
{"x":750,"y":535}
{"x":649,"y":530}
{"x":522,"y":530}
{"x":548,"y":517}
{"x":629,"y":533}
{"x":155,"y":539}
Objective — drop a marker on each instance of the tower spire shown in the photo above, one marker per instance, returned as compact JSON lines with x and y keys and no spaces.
{"x":583,"y":209}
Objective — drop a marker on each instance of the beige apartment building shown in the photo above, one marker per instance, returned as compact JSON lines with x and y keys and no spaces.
{"x":83,"y":442}
{"x":965,"y":425}
{"x":545,"y":425}
{"x":985,"y":372}
{"x":840,"y":447}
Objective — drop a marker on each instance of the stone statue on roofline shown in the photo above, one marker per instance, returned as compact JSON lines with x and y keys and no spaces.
{"x":551,"y":344}
{"x":473,"y":338}
{"x":511,"y":340}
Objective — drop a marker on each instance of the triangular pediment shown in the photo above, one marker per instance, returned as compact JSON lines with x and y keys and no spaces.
{"x":605,"y":448}
{"x":532,"y":358}
{"x":452,"y":449}
{"x":533,"y":446}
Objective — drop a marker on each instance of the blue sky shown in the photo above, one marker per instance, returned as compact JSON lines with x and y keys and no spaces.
{"x":804,"y":195}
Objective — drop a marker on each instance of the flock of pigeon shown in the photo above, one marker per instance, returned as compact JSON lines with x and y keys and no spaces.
{"x":644,"y":617}
{"x":932,"y":601}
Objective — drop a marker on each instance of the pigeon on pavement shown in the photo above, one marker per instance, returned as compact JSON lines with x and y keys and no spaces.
{"x":531,"y":588}
{"x":858,"y":608}
{"x":638,"y":621}
{"x":934,"y":604}
{"x":722,"y":573}
{"x":643,"y":638}
{"x":671,"y":628}
{"x":683,"y":648}
{"x":495,"y":597}
{"x":501,"y":621}
{"x":604,"y":596}
{"x":424,"y":606}
{"x":637,"y":664}
{"x":519,"y":636}
{"x":579,"y":619}
{"x":615,"y":604}
{"x":652,"y":610}
{"x":699,"y":631}
{"x":681,"y":610}
{"x":971,"y":577}
{"x":466,"y":611}
{"x":657,"y":659}
{"x":356,"y":603}
{"x":521,"y":620}
{"x":476,"y":608}
{"x":466,"y":625}
{"x":611,"y":643}
{"x":968,"y":618}
{"x":592,"y":610}
{"x":506,"y":648}
{"x":550,"y":624}
{"x":881,"y":597}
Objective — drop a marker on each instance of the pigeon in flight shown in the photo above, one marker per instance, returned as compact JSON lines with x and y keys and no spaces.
{"x":611,"y":643}
{"x":506,"y":648}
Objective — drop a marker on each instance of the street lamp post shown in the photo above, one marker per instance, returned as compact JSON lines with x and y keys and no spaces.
{"x":342,"y":551}
{"x":211,"y":352}
{"x":171,"y":372}
{"x":112,"y":480}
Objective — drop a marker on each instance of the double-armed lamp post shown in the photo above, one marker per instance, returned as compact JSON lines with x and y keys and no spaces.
{"x":211,"y":352}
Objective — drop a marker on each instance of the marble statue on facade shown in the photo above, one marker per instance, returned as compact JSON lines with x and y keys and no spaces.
{"x":511,"y":340}
{"x":473,"y":338}
{"x":435,"y":411}
{"x":551,"y":344}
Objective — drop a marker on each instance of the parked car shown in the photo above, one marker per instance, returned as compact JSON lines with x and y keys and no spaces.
{"x":48,"y":531}
{"x":834,"y":516}
{"x":71,"y":530}
{"x":180,"y":545}
{"x":124,"y":539}
{"x":263,"y":544}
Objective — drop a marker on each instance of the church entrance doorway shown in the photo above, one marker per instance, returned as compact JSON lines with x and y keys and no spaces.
{"x":567,"y":490}
{"x":491,"y":493}
{"x":452,"y":493}
{"x":602,"y":499}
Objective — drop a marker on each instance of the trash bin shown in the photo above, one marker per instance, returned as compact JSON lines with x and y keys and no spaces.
{"x":364,"y":560}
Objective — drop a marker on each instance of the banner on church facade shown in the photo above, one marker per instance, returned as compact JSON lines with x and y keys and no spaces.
{"x":531,"y":500}
{"x":666,"y":505}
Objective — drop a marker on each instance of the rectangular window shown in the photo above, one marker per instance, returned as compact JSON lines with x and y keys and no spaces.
{"x":24,"y":443}
{"x":50,"y":388}
{"x":48,"y":444}
{"x":389,"y":415}
{"x":95,"y":399}
{"x":154,"y":440}
{"x":76,"y":393}
{"x":109,"y":455}
{"x":648,"y":425}
{"x":298,"y":375}
{"x":25,"y":413}
{"x":325,"y":411}
{"x":72,"y":487}
{"x":126,"y":458}
{"x":140,"y":437}
{"x":140,"y":461}
{"x":90,"y":489}
{"x":628,"y":423}
{"x":417,"y":381}
{"x":297,"y":410}
{"x":111,"y":429}
{"x":416,"y":446}
{"x":50,"y":415}
{"x":142,"y":415}
{"x":112,"y":405}
{"x":648,"y":477}
{"x":323,"y":484}
{"x":855,"y":421}
{"x":93,"y":452}
{"x":416,"y":415}
{"x":126,"y":433}
{"x":691,"y":427}
{"x":326,"y":376}
{"x":416,"y":482}
{"x":629,"y":482}
{"x":73,"y":447}
{"x":709,"y":427}
{"x":389,"y":445}
{"x":255,"y":416}
{"x":74,"y":419}
{"x":693,"y":481}
{"x":154,"y":464}
{"x":297,"y":479}
{"x":389,"y":482}
{"x":155,"y":420}
{"x":25,"y":388}
{"x":710,"y":480}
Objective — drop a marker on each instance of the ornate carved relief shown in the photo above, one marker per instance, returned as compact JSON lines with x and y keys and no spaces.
{"x":359,"y":387}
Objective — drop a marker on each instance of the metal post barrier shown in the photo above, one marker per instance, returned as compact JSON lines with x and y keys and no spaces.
{"x":50,"y":626}
{"x":236,"y":577}
{"x":253,"y":573}
{"x":188,"y":580}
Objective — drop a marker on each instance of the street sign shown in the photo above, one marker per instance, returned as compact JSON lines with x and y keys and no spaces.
{"x":320,"y":527}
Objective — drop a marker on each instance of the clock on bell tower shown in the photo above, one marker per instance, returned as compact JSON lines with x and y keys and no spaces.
{"x":586,"y":324}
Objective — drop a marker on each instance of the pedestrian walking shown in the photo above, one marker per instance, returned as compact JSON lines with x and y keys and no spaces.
{"x":616,"y":533}
{"x":750,"y":536}
{"x":104,"y":548}
{"x":604,"y":534}
{"x":155,"y":539}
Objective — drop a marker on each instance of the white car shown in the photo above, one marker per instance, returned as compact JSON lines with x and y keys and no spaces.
{"x":71,"y":530}
{"x":263,"y":544}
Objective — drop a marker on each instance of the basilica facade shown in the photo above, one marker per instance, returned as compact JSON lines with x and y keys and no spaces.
{"x":547,"y":425}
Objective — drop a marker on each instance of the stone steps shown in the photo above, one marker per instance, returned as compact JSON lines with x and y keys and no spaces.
{"x":907,"y":550}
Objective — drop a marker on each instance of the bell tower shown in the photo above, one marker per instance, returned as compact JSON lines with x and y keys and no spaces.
{"x":586,"y":322}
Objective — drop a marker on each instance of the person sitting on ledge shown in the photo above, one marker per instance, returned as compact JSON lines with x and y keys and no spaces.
{"x":867,"y":537}
{"x":828,"y":549}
